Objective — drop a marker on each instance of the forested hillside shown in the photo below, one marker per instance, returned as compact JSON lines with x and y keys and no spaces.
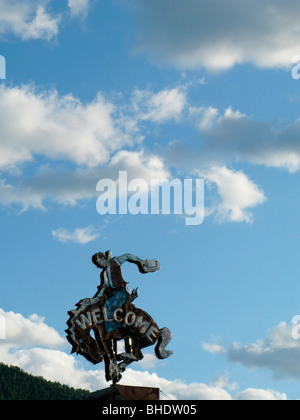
{"x":15,"y":384}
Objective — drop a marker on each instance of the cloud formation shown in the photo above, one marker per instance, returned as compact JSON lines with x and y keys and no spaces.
{"x":28,"y":332}
{"x":85,"y":142}
{"x":277,"y":352}
{"x":160,"y":107}
{"x":80,"y":236}
{"x":219,"y":34}
{"x":70,"y":187}
{"x":78,"y":7}
{"x":230,"y":136}
{"x":37,"y":348}
{"x":46,"y":124}
{"x":28,"y":19}
{"x":237,"y":195}
{"x":237,"y":136}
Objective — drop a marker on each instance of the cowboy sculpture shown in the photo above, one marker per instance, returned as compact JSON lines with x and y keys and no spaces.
{"x":98,"y":323}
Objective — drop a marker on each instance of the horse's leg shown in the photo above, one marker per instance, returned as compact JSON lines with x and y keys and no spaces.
{"x":99,"y":334}
{"x":112,"y":369}
{"x":128,"y":345}
{"x":108,"y":347}
{"x":128,"y":341}
{"x":138,"y":344}
{"x":115,"y":348}
{"x":127,"y":357}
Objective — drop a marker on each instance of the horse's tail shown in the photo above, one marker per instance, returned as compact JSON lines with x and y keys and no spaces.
{"x":164,"y":339}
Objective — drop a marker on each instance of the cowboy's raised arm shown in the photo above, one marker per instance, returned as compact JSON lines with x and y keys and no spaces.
{"x":145,"y":266}
{"x":127,"y":257}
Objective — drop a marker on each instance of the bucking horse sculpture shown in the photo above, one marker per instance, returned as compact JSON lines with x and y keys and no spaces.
{"x":98,"y":323}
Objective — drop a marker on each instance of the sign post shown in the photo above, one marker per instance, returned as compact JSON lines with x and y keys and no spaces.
{"x":97,"y":324}
{"x":125,"y":393}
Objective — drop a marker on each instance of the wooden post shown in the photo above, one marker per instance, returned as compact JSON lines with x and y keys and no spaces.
{"x":125,"y":393}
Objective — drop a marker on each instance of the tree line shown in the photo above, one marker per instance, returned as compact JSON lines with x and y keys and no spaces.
{"x":15,"y":384}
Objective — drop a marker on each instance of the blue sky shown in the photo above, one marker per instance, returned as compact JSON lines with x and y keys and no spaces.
{"x":162,"y":90}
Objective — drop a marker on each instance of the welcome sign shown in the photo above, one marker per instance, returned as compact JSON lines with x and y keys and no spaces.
{"x":98,"y":323}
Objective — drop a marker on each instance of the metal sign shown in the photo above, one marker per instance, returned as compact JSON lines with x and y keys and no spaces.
{"x":98,"y":323}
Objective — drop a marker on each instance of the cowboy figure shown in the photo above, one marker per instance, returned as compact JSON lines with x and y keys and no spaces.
{"x":113,"y":291}
{"x":112,"y":317}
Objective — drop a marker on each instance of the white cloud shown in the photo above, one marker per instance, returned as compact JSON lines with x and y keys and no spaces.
{"x":251,"y":394}
{"x":35,"y":347}
{"x":219,"y":34}
{"x":63,"y":128}
{"x":71,"y":187}
{"x":140,"y":164}
{"x":102,"y":137}
{"x":237,"y":194}
{"x":208,"y":118}
{"x":230,"y":113}
{"x":28,"y":332}
{"x":78,"y":7}
{"x":60,"y":367}
{"x":277,"y":352}
{"x":159,"y":107}
{"x":149,"y":362}
{"x":46,"y":124}
{"x":80,"y":236}
{"x":28,"y":19}
{"x":236,"y":136}
{"x":230,"y":136}
{"x":212,"y":348}
{"x":65,"y":187}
